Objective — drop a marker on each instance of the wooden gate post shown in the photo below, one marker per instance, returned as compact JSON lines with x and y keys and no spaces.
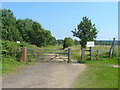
{"x":69,"y":55}
{"x":23,"y":57}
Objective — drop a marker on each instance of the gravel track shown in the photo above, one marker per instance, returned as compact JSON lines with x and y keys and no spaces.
{"x":44,"y":75}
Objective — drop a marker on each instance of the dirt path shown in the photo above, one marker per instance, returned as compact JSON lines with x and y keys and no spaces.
{"x":45,"y":75}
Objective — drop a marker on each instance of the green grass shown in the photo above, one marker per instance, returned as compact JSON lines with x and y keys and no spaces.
{"x":51,"y":47}
{"x":8,"y":64}
{"x":98,"y":74}
{"x":76,"y":55}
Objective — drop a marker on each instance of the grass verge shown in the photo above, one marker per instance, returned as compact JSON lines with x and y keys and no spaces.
{"x":8,"y":64}
{"x":11,"y":65}
{"x":98,"y":74}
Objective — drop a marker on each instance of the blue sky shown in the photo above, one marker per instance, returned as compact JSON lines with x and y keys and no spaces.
{"x":62,"y":17}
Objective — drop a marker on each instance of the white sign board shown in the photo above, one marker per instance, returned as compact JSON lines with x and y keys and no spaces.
{"x":18,"y":42}
{"x":90,"y":43}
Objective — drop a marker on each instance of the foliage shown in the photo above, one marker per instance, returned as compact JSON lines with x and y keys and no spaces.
{"x":9,"y":48}
{"x":85,"y":31}
{"x":9,"y":30}
{"x":25,"y":30}
{"x":60,"y":42}
{"x":76,"y":42}
{"x":10,"y":57}
{"x":68,"y":42}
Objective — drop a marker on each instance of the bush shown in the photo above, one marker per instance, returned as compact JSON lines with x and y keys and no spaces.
{"x":68,"y":42}
{"x":9,"y":48}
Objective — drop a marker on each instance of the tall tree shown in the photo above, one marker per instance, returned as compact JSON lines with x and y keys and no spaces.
{"x":24,"y":30}
{"x":9,"y":30}
{"x":85,"y":31}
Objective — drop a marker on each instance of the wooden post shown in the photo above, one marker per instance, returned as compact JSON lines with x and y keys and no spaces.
{"x":90,"y":53}
{"x":113,"y":54}
{"x":83,"y":54}
{"x":112,"y":49}
{"x":69,"y":55}
{"x":23,"y":57}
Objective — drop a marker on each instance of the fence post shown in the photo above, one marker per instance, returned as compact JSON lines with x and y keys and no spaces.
{"x":113,"y":54}
{"x":69,"y":55}
{"x":23,"y":57}
{"x":83,"y":54}
{"x":112,"y":49}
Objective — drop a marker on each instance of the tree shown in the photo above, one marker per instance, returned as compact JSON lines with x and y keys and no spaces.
{"x":60,"y":42}
{"x":9,"y":30}
{"x":68,"y":42}
{"x":85,"y":31}
{"x":24,"y":30}
{"x":53,"y":41}
{"x":76,"y":42}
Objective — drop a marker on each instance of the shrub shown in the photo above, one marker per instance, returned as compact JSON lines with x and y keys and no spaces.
{"x":9,"y":48}
{"x":68,"y":42}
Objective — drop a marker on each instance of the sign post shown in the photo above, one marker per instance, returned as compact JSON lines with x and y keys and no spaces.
{"x":90,"y":44}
